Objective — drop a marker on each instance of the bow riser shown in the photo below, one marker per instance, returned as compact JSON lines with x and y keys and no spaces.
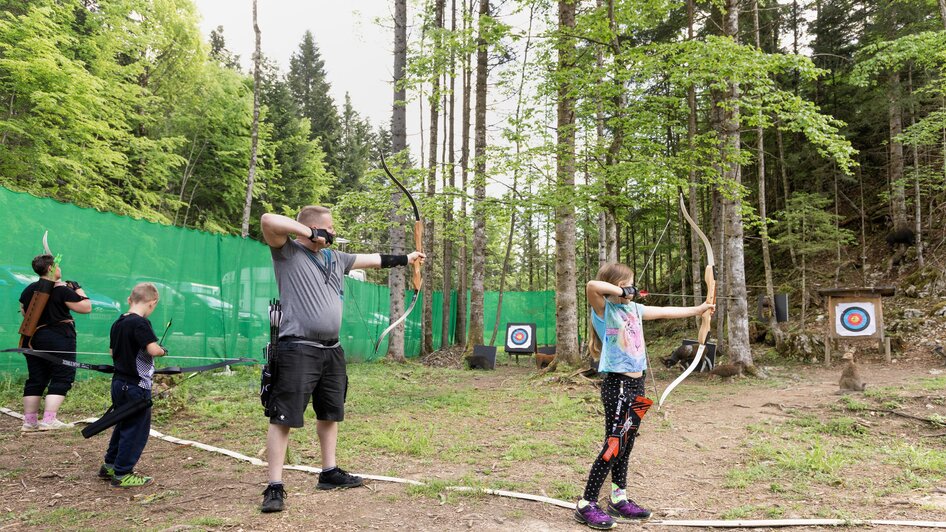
{"x":706,"y":318}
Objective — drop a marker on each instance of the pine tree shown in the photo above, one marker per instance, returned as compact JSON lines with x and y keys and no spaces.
{"x":310,"y":87}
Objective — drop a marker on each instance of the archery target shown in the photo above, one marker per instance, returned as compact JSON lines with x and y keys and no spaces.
{"x":520,"y":337}
{"x":855,"y":319}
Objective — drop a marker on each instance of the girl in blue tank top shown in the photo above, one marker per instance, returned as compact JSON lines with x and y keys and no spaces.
{"x":618,"y":340}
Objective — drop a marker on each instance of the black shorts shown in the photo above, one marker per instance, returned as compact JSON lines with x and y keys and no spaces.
{"x":304,"y":372}
{"x":46,"y":376}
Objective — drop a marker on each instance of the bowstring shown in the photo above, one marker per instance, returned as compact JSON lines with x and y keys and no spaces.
{"x":643,"y":272}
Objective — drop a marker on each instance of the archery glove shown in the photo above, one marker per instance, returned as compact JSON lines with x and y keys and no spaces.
{"x":629,"y":292}
{"x":73,"y":285}
{"x":317,"y":233}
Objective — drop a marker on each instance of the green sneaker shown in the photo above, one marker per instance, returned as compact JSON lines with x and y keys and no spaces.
{"x":131,"y":480}
{"x":106,"y":472}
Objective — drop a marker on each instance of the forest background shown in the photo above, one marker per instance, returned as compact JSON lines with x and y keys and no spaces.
{"x":801,"y":134}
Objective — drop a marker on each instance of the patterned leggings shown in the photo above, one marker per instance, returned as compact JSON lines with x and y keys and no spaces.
{"x":617,"y":465}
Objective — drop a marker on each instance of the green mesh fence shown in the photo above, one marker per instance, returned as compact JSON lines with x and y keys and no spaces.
{"x":215,"y":288}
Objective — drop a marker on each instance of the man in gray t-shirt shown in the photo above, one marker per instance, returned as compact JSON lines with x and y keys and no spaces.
{"x":309,"y":363}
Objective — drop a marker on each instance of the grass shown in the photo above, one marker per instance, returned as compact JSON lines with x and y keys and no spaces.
{"x":62,"y":517}
{"x":817,"y":449}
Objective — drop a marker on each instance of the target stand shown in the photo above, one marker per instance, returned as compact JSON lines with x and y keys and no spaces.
{"x":520,"y":339}
{"x":856,"y":314}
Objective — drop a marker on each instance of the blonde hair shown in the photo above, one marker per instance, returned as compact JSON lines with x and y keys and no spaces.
{"x":614,"y":273}
{"x":310,"y":213}
{"x":143,"y":293}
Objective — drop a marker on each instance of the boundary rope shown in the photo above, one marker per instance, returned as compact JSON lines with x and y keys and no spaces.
{"x":711,"y":523}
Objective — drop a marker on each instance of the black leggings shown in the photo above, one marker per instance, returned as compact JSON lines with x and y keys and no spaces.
{"x":45,"y":376}
{"x":617,"y":465}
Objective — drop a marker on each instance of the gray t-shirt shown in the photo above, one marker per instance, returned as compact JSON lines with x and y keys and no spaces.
{"x":311,"y":289}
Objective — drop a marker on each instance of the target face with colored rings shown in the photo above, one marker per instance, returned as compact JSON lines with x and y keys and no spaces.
{"x":520,"y":337}
{"x":855,"y":319}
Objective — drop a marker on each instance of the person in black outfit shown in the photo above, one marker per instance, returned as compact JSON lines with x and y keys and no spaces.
{"x":55,"y":332}
{"x":133,"y":346}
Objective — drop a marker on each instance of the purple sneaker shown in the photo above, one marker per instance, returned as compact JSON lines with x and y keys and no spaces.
{"x":627,"y":509}
{"x":594,"y":517}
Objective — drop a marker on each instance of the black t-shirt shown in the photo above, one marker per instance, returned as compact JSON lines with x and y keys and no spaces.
{"x":129,"y":337}
{"x":56,"y":310}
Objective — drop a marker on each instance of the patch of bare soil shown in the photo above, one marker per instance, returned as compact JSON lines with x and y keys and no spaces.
{"x":678,"y":468}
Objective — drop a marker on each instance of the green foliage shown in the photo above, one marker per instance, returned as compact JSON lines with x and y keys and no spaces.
{"x":125,"y":109}
{"x":809,"y":227}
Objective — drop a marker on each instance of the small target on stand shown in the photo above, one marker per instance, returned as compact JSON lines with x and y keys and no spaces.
{"x":520,"y":337}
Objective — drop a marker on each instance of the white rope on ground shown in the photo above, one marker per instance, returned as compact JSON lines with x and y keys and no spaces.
{"x":737,"y":523}
{"x":773,"y":523}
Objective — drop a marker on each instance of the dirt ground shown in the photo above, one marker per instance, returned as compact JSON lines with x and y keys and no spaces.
{"x":48,"y":480}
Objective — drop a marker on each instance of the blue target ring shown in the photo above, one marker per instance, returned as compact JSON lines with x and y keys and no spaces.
{"x":855,"y":319}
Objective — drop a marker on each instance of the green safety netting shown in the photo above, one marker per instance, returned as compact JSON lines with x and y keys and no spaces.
{"x":216,"y":288}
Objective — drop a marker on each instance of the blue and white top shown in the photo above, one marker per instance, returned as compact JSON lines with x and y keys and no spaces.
{"x":621,"y":333}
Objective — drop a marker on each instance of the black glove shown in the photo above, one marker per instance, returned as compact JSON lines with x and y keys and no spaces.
{"x":73,"y":285}
{"x":629,"y":292}
{"x":317,"y":233}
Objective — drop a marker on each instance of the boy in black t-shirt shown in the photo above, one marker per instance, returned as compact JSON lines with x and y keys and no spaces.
{"x":133,"y":346}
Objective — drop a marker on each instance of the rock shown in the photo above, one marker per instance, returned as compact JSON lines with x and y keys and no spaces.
{"x":802,"y":346}
{"x":941,"y":312}
{"x":911,"y":313}
{"x":911,"y":291}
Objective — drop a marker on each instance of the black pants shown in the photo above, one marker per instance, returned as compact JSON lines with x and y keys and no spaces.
{"x":617,"y":465}
{"x":48,"y":376}
{"x":130,"y":435}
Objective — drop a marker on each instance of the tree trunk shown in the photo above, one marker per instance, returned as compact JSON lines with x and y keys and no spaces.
{"x":764,"y":228}
{"x":428,"y":319}
{"x":619,"y":101}
{"x":734,"y":260}
{"x":462,"y":272}
{"x":448,"y":210}
{"x":898,"y":202}
{"x":865,"y":269}
{"x":254,"y":129}
{"x":918,"y":204}
{"x":396,"y":279}
{"x":783,"y":170}
{"x":942,"y":11}
{"x":696,"y":269}
{"x":478,"y":287}
{"x":566,"y":311}
{"x":515,"y":177}
{"x":603,"y":249}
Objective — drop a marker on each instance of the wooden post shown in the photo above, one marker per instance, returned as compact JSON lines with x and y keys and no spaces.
{"x":828,"y":333}
{"x":887,"y":349}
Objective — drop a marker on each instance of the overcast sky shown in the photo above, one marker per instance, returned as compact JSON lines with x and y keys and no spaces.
{"x":356,"y":41}
{"x":357,"y":49}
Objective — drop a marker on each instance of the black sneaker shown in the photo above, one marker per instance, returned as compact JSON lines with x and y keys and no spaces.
{"x":338,"y":478}
{"x":273,"y":498}
{"x":106,"y":472}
